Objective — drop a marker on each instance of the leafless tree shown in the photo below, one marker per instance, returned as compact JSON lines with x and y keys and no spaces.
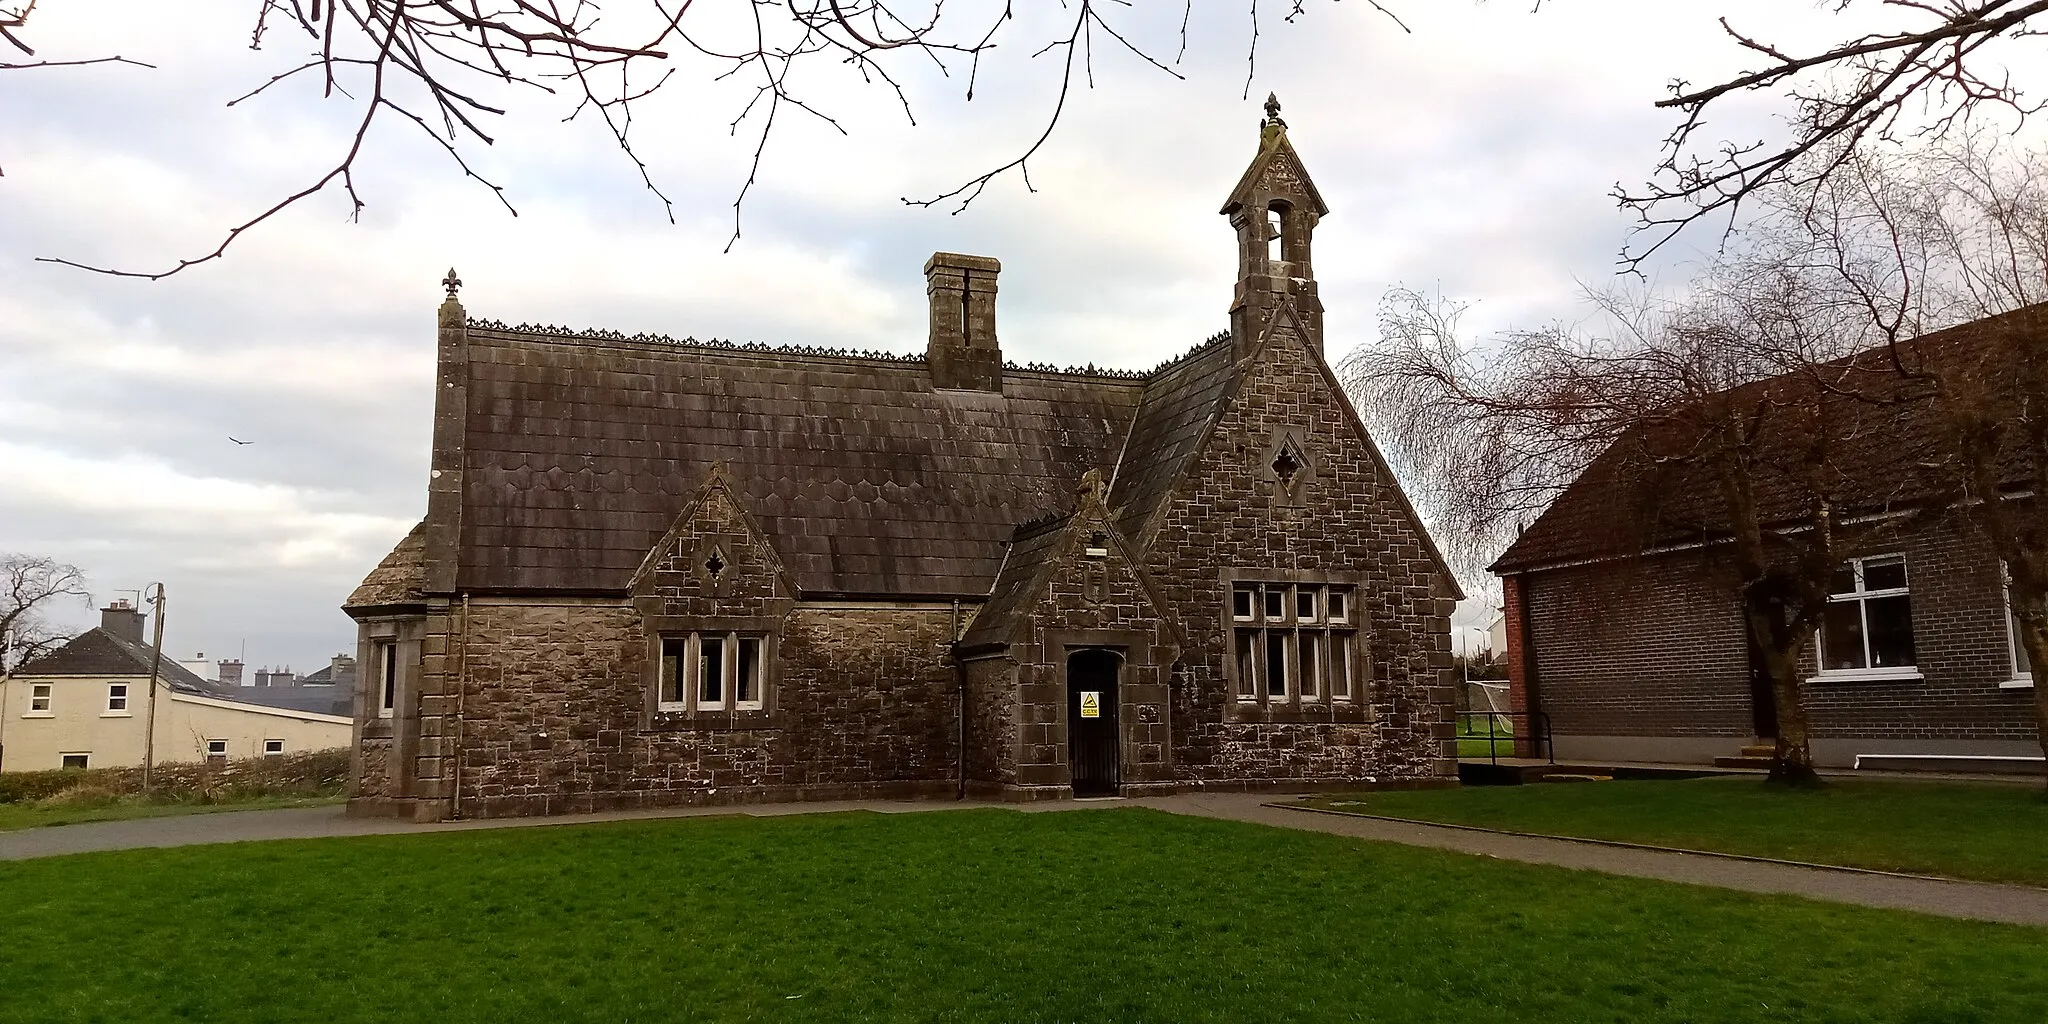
{"x":448,"y":67}
{"x":29,"y":586}
{"x":1801,"y":399}
{"x":1938,"y":66}
{"x":1958,"y":234}
{"x":1720,"y":419}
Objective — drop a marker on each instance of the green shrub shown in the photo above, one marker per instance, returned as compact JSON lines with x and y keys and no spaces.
{"x":81,"y":797}
{"x":314,"y":773}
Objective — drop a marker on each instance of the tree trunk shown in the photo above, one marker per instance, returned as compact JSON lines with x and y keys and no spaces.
{"x":1792,"y":761}
{"x":2035,"y":640}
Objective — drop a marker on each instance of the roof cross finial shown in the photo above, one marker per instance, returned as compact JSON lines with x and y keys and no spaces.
{"x":451,"y":282}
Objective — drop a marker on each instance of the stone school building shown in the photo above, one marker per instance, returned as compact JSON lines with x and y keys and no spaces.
{"x":657,"y":572}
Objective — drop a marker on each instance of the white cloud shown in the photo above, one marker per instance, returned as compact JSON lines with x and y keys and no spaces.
{"x":1474,"y":154}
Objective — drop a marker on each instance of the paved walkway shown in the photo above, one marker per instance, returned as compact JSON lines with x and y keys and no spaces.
{"x":1969,"y":900}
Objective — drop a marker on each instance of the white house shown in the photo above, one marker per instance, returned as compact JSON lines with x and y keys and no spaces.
{"x":83,"y":706}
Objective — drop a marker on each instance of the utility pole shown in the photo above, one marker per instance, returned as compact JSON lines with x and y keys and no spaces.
{"x":156,"y":657}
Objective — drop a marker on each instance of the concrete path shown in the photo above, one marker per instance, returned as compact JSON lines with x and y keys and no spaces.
{"x":2007,"y":904}
{"x":1980,"y":901}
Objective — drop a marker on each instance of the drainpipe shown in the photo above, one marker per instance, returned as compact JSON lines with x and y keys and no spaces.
{"x":960,"y":727}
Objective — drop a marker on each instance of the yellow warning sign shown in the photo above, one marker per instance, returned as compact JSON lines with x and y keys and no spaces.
{"x":1091,"y":704}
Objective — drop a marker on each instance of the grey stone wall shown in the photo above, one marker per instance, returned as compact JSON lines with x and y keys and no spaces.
{"x":555,"y":716}
{"x":992,"y":710}
{"x":1345,"y":517}
{"x":1093,"y":601}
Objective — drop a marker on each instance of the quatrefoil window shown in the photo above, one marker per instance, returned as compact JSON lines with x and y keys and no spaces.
{"x":714,"y":563}
{"x":1285,"y":465}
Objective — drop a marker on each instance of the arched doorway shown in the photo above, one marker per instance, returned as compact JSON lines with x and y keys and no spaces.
{"x":1093,"y":739}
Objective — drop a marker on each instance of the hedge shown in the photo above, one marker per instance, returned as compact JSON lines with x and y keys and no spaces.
{"x":314,"y":773}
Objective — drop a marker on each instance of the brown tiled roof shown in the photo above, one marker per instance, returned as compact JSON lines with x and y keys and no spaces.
{"x":580,"y":451}
{"x":97,"y":652}
{"x":1883,"y":455}
{"x":399,"y":579}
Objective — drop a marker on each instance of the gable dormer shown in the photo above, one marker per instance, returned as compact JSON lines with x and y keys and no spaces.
{"x":1274,"y":208}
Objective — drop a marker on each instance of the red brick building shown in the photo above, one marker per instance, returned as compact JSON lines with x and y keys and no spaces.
{"x":1624,"y":634}
{"x":658,"y":572}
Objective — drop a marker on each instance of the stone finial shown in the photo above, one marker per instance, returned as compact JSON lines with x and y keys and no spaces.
{"x":451,"y":282}
{"x":1091,"y":488}
{"x":1273,"y":107}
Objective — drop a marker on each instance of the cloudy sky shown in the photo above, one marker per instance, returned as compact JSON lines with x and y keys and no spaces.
{"x":1472,"y":155}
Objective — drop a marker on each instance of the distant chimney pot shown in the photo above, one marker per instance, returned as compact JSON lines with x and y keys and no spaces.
{"x":121,"y":619}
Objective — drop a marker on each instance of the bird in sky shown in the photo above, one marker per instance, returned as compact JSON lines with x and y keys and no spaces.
{"x":238,"y":440}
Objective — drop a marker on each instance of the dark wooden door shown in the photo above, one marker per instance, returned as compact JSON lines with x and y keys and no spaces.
{"x":1092,"y":736}
{"x":1763,"y":702}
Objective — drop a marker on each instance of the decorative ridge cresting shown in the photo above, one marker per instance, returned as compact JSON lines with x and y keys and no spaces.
{"x":644,"y":338}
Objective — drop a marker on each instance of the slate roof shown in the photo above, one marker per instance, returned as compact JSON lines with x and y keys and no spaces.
{"x":97,"y":652}
{"x":323,"y":700}
{"x":400,"y":578}
{"x":1883,"y":454}
{"x":1018,"y":585}
{"x":580,"y":450}
{"x":1174,"y":413}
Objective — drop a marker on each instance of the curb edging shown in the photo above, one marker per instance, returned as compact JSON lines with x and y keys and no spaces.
{"x":1618,"y":844}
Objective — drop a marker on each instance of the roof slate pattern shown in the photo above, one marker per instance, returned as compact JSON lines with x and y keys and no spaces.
{"x":1174,"y":414}
{"x":581,"y":451}
{"x":400,"y":578}
{"x":1017,"y":586}
{"x":1883,"y":454}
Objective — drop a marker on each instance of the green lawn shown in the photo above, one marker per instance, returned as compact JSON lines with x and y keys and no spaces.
{"x":981,"y":915}
{"x":18,"y":816}
{"x":1990,"y":832}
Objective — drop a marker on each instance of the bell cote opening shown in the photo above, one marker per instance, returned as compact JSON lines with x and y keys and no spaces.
{"x":1274,"y":209}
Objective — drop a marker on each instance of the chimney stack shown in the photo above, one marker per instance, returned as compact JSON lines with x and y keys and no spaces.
{"x":121,"y":619}
{"x":230,"y":671}
{"x":963,"y":353}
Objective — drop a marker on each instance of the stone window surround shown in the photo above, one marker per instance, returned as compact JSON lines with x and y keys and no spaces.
{"x":40,"y":692}
{"x":654,"y":718}
{"x":1358,"y":710}
{"x":689,"y":681}
{"x":401,"y":633}
{"x":1860,"y":595}
{"x":385,"y":676}
{"x":117,"y":702}
{"x":2014,"y":652}
{"x":84,"y":759}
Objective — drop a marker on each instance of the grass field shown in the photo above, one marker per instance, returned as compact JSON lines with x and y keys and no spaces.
{"x":35,"y":815}
{"x":984,"y":915}
{"x":1989,"y":832}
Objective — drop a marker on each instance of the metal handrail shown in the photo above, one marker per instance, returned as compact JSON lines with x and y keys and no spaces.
{"x":1540,"y":730}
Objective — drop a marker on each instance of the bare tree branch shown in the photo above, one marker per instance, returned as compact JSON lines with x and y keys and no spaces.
{"x":30,"y":585}
{"x":1915,"y":83}
{"x":442,"y":65}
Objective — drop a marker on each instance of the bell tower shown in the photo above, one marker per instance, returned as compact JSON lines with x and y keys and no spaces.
{"x":1274,"y":208}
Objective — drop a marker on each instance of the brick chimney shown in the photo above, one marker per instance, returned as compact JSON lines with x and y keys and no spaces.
{"x":963,"y":353}
{"x":121,"y":619}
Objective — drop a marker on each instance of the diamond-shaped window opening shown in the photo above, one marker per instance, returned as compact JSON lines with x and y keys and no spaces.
{"x":715,"y":563}
{"x":1286,"y":464}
